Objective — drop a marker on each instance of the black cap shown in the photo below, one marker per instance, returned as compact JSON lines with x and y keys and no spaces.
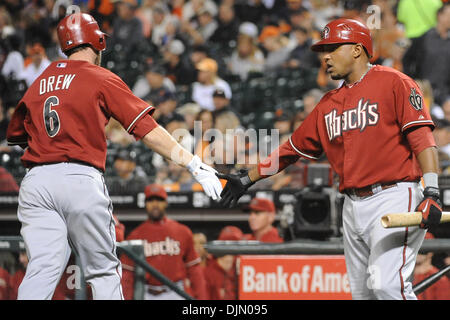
{"x":219,"y":93}
{"x":156,"y":68}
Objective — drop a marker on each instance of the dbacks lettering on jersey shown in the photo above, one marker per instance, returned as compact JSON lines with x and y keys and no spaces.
{"x":168,"y":246}
{"x":365,"y":114}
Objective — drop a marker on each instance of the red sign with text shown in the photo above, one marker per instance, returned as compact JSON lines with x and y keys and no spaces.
{"x":293,"y":277}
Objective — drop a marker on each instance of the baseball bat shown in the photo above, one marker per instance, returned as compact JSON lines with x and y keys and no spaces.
{"x":408,"y":219}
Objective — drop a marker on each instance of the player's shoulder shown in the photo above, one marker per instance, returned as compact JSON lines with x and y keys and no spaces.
{"x":389,"y":73}
{"x":179,"y":226}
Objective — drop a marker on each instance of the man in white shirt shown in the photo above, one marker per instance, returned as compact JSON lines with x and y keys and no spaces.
{"x":39,"y":62}
{"x":208,"y":82}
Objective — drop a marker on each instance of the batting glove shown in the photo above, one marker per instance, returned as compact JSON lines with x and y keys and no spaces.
{"x":237,"y":185}
{"x":430,"y":207}
{"x":206,"y":176}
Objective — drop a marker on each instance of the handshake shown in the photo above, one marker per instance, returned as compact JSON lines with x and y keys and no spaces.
{"x":208,"y":177}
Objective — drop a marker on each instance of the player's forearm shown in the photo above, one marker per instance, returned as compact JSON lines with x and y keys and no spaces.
{"x":160,"y":141}
{"x":429,"y":163}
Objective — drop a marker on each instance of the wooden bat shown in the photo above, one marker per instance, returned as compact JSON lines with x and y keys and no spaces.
{"x":408,"y":219}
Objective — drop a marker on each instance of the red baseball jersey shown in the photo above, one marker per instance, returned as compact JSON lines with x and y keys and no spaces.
{"x":62,"y":116}
{"x":270,"y":236}
{"x":4,"y":284}
{"x":169,"y":248}
{"x":221,"y":284}
{"x":361,"y":130}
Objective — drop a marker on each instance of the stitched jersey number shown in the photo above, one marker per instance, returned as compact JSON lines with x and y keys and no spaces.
{"x":51,"y":118}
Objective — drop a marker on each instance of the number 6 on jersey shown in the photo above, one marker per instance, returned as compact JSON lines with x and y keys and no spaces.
{"x":51,"y":118}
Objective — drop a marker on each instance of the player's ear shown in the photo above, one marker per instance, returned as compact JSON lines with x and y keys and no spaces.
{"x":357,"y":50}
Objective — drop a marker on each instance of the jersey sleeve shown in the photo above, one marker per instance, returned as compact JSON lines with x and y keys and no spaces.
{"x":409,"y":105}
{"x":304,"y":142}
{"x":306,"y":139}
{"x":133,"y":113}
{"x":16,"y":133}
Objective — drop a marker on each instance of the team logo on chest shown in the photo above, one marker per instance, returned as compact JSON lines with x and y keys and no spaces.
{"x":365,"y":114}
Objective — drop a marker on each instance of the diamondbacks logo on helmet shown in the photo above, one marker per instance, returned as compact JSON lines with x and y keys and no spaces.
{"x":416,"y":100}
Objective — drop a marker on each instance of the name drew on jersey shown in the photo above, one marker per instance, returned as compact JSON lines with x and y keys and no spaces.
{"x":168,"y":247}
{"x":53,"y":83}
{"x":365,"y":114}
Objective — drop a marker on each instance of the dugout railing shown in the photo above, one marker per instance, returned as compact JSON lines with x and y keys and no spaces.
{"x":134,"y":249}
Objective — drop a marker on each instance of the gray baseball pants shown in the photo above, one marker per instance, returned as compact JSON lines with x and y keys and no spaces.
{"x":64,"y":206}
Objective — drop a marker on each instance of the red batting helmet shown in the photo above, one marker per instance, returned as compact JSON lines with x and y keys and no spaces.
{"x":80,"y":28}
{"x":345,"y":31}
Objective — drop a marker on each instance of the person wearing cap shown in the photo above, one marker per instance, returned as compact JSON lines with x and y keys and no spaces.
{"x":179,"y":70}
{"x":423,"y":269}
{"x":246,"y":57}
{"x":153,"y":79}
{"x":168,"y":247}
{"x":300,"y":55}
{"x":224,"y":117}
{"x":260,"y":220}
{"x":128,"y":177}
{"x":200,"y":29}
{"x":208,"y":81}
{"x":220,"y":271}
{"x":273,"y":40}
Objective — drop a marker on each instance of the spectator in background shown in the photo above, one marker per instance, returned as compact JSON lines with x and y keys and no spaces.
{"x":200,"y":30}
{"x":417,"y":16}
{"x":423,"y":269}
{"x":301,"y":55}
{"x":205,"y":122}
{"x":168,"y":247}
{"x":127,"y":28}
{"x":283,"y":122}
{"x":261,"y":218}
{"x":275,"y":44}
{"x":14,"y":64}
{"x":179,"y":70}
{"x":153,"y":82}
{"x":163,"y":22}
{"x":224,"y":117}
{"x":36,"y":63}
{"x":129,"y":178}
{"x":228,"y":26}
{"x":220,"y":271}
{"x":165,"y":103}
{"x":424,"y":61}
{"x":207,"y":81}
{"x":189,"y":111}
{"x":247,"y":57}
{"x":441,"y":134}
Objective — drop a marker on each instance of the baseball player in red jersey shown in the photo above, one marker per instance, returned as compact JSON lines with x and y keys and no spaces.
{"x":377,"y":136}
{"x":261,"y":217}
{"x":168,"y":247}
{"x":63,"y":198}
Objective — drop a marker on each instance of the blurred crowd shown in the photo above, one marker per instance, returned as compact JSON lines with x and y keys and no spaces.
{"x":215,"y":69}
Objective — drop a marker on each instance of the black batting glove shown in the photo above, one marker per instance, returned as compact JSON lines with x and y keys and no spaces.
{"x":237,"y":185}
{"x":430,"y":207}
